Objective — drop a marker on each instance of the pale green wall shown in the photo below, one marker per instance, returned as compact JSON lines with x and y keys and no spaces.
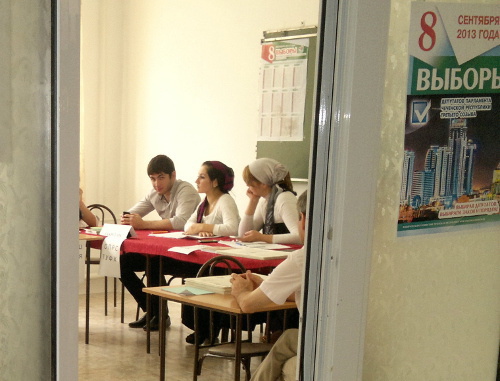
{"x":434,"y":299}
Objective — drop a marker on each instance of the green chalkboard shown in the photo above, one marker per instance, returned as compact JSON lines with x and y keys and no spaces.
{"x":295,"y":154}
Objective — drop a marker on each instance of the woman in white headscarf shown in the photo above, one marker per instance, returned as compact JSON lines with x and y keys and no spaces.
{"x":272,"y":207}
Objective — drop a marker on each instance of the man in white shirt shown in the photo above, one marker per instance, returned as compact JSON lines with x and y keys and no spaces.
{"x":283,"y":284}
{"x":174,"y":200}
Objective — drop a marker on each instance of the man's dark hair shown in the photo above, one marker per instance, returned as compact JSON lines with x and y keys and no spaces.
{"x":161,"y":163}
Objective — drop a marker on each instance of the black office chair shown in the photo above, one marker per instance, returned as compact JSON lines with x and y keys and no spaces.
{"x":106,"y":215}
{"x":227,"y":349}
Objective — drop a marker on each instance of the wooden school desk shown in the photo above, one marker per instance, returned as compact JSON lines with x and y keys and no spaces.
{"x":214,"y":302}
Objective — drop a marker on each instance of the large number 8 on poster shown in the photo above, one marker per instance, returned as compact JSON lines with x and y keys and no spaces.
{"x":428,"y":31}
{"x":270,"y":53}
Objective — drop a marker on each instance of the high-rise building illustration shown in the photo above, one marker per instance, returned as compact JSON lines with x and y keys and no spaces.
{"x":423,"y":187}
{"x":407,"y":178}
{"x":462,"y":158}
{"x":448,"y":170}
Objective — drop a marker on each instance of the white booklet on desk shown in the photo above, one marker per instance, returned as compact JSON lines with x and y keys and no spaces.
{"x":219,"y":284}
{"x":253,"y":253}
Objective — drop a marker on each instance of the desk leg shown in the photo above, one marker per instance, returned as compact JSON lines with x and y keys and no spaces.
{"x":160,"y":277}
{"x":148,"y":306}
{"x":162,"y":339}
{"x":237,"y":357}
{"x":196,"y":345}
{"x":87,"y":292}
{"x":123,"y":302}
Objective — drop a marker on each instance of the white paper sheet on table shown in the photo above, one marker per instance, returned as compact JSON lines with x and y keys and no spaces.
{"x":254,"y":245}
{"x":187,"y":249}
{"x":253,"y":253}
{"x":181,"y":235}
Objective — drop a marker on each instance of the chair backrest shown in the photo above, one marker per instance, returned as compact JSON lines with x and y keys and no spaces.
{"x":103,"y":209}
{"x":229,"y":265}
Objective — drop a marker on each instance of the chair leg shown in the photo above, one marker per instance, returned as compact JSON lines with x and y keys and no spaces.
{"x":105,"y":296}
{"x":114,"y":292}
{"x":137,"y":313}
{"x":246,"y":367}
{"x":123,"y":303}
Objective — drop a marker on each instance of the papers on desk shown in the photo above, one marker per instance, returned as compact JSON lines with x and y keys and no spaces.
{"x":252,"y":253}
{"x":187,"y":249}
{"x":254,"y":245}
{"x":219,"y":284}
{"x":168,"y":235}
{"x":184,"y":290}
{"x":180,"y":235}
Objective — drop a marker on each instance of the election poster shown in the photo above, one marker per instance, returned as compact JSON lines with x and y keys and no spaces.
{"x":451,"y":163}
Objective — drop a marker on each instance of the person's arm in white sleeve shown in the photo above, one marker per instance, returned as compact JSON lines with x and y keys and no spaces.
{"x":230,"y":217}
{"x":254,"y":221}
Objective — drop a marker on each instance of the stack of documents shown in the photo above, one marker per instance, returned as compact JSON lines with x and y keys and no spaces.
{"x":219,"y":284}
{"x":253,"y":253}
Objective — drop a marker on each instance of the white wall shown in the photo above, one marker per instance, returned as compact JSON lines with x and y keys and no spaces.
{"x":177,"y":78}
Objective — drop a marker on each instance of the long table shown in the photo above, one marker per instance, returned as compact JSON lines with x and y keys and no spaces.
{"x":159,"y":246}
{"x":146,"y":244}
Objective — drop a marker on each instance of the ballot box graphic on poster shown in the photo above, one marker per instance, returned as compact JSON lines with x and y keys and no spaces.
{"x":451,"y":163}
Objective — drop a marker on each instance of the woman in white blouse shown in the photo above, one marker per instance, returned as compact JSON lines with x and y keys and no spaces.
{"x":217,"y":214}
{"x":272,"y":206}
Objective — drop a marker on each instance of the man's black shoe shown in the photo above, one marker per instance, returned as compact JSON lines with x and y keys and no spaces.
{"x":138,"y":323}
{"x":154,"y":324}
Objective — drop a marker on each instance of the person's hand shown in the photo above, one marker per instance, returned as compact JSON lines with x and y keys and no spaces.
{"x":251,"y":236}
{"x":256,"y":280}
{"x":241,"y":283}
{"x":81,"y":195}
{"x":205,"y":234}
{"x":132,"y":219}
{"x":253,"y":198}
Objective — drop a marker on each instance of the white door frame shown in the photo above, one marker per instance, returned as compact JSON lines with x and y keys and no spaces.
{"x":66,"y":129}
{"x":344,"y":165}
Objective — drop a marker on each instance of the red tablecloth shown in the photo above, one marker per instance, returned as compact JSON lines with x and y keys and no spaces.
{"x":145,"y":244}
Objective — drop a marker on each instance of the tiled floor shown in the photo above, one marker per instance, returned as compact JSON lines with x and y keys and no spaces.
{"x":117,"y":352}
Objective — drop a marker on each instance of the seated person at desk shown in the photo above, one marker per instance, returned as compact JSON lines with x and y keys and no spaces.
{"x":216,"y":215}
{"x":272,"y":204}
{"x":87,"y":218}
{"x":283,"y":284}
{"x":174,"y":200}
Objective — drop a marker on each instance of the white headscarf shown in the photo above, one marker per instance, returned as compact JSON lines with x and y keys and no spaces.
{"x":268,"y":171}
